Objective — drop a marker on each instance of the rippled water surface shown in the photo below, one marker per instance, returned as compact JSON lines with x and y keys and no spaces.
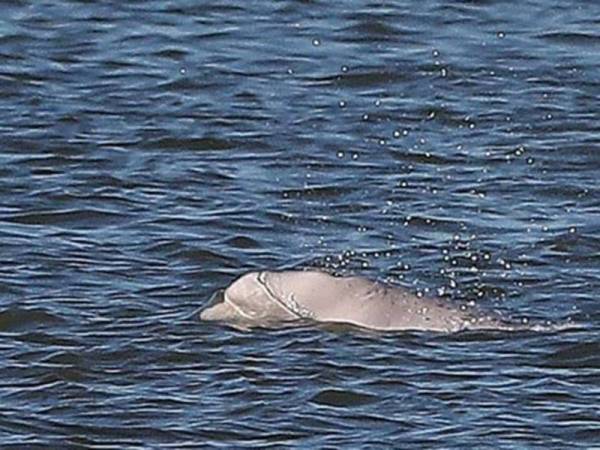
{"x":153,"y":151}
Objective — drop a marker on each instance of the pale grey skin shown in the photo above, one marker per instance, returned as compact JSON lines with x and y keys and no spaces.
{"x":280,"y":298}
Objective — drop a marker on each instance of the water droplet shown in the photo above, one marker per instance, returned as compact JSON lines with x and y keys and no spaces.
{"x":340,"y":154}
{"x":316,"y":42}
{"x":381,"y":141}
{"x":501,"y":34}
{"x":342,"y":104}
{"x":435,"y":53}
{"x":572,"y":230}
{"x":397,"y":134}
{"x":530,"y":161}
{"x":355,"y":156}
{"x":345,"y":69}
{"x":365,"y":117}
{"x":182,"y":70}
{"x":377,"y":102}
{"x":444,"y":72}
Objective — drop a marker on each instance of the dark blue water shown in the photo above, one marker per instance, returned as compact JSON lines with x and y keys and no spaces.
{"x":151,"y":152}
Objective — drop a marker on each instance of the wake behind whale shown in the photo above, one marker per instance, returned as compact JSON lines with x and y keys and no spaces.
{"x":290,"y":297}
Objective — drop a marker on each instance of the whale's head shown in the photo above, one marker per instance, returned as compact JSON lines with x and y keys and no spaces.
{"x":249,"y":301}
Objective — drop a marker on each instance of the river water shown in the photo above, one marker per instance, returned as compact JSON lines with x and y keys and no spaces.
{"x":153,"y":151}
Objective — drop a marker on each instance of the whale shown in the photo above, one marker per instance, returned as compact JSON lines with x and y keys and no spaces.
{"x":282,"y":298}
